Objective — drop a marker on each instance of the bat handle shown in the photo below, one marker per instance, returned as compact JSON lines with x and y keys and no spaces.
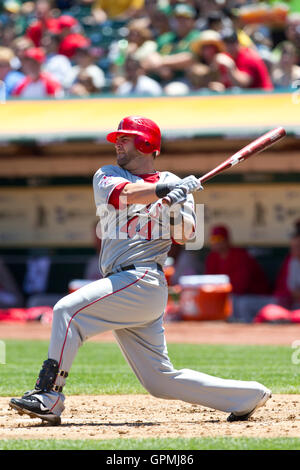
{"x":167,"y":201}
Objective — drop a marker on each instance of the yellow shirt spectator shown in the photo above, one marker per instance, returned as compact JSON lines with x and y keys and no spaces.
{"x":244,"y":39}
{"x":118,"y":7}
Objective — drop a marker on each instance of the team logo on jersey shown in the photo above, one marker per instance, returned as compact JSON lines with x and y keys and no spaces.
{"x":105,"y":181}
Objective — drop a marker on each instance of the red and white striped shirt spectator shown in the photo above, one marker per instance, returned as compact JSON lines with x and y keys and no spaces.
{"x":36,"y":84}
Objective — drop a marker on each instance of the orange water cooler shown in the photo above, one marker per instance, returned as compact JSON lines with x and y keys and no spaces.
{"x":205,"y":297}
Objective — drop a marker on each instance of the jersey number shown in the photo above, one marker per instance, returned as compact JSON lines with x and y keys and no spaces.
{"x":133,"y":227}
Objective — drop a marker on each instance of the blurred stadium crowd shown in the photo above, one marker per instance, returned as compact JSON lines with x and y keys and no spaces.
{"x":82,"y":48}
{"x":62,"y":48}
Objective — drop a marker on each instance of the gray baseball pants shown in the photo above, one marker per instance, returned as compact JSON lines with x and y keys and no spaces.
{"x":131,"y":303}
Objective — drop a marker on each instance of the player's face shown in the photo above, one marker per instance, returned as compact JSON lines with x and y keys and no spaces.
{"x":126,"y":151}
{"x":220,"y":246}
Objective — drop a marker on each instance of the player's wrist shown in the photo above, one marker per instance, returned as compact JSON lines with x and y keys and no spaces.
{"x":163,"y":189}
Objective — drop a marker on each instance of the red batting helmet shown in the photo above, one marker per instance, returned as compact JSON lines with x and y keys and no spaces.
{"x":146,"y":132}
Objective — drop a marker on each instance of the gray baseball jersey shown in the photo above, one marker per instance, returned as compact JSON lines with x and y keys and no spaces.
{"x":128,"y":233}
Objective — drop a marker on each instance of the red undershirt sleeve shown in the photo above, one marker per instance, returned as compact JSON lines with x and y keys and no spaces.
{"x":114,"y":198}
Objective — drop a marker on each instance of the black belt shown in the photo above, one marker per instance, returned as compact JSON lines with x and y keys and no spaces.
{"x":133,"y":267}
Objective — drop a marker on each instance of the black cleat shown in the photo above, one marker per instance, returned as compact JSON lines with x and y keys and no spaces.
{"x":233,"y":417}
{"x":31,"y":406}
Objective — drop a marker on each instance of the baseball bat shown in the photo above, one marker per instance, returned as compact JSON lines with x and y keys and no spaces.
{"x":255,"y":147}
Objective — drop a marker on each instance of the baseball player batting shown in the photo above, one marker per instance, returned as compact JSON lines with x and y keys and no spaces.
{"x":131,"y":298}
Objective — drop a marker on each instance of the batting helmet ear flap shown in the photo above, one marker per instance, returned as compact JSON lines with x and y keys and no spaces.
{"x":143,"y":145}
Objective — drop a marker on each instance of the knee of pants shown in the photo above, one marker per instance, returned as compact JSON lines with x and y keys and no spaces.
{"x":61,"y":310}
{"x":159,"y":384}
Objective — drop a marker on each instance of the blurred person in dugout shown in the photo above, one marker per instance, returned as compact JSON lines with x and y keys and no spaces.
{"x":287,"y":289}
{"x":10,"y":294}
{"x":37,"y":279}
{"x":250,"y":286}
{"x":182,"y":262}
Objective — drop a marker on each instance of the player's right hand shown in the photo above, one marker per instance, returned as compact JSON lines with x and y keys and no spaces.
{"x":191,"y":183}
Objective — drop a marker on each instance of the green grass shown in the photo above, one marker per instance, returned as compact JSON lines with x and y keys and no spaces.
{"x":99,"y":368}
{"x":155,"y":444}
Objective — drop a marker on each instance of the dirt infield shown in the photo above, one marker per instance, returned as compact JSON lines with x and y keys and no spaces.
{"x":143,"y":416}
{"x":182,"y":332}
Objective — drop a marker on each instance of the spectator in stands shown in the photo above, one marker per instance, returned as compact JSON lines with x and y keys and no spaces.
{"x":249,"y":283}
{"x":263,"y":44}
{"x":139,"y":42}
{"x":71,"y":36}
{"x":287,"y":290}
{"x":215,"y":20}
{"x":204,"y":73}
{"x":234,"y":22}
{"x":173,"y":54}
{"x":19,"y":13}
{"x":116,"y":10}
{"x":10,"y":77}
{"x":86,"y":73}
{"x":57,"y":65}
{"x":11,"y":6}
{"x":19,"y":46}
{"x":285,"y":70}
{"x":160,"y":20}
{"x":206,"y":7}
{"x":140,"y":38}
{"x":84,"y":86}
{"x":66,"y":4}
{"x":45,"y":21}
{"x":10,"y":294}
{"x":292,"y":30}
{"x":7,"y":33}
{"x":240,"y":66}
{"x":183,"y":31}
{"x":36,"y":84}
{"x":136,"y":82}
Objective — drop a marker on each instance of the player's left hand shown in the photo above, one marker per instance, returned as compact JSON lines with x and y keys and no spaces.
{"x":177,"y":195}
{"x":191,"y":183}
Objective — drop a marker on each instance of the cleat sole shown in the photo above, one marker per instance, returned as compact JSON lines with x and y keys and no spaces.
{"x":51,"y":419}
